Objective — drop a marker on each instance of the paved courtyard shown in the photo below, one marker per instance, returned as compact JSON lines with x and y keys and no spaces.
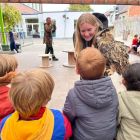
{"x":64,"y":77}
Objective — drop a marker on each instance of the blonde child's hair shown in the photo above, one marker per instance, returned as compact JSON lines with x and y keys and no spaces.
{"x":90,"y":64}
{"x":30,"y":91}
{"x":84,"y":18}
{"x":8,"y":65}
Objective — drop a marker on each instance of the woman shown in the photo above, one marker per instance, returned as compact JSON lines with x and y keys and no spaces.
{"x":86,"y":29}
{"x":91,"y":32}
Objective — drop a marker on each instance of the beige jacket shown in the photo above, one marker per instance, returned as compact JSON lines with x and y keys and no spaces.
{"x":129,"y":115}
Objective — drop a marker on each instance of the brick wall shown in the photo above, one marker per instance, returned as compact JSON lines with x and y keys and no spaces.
{"x":134,"y":11}
{"x":129,"y":2}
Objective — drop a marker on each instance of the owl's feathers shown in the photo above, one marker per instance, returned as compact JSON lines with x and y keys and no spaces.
{"x":114,"y":51}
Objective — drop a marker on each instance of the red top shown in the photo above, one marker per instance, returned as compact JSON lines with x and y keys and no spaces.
{"x":6,"y":107}
{"x":135,"y":41}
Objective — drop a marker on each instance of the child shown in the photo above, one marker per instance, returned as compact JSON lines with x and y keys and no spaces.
{"x":129,"y":105}
{"x":92,"y":104}
{"x":30,"y":93}
{"x":8,"y":66}
{"x":134,"y":44}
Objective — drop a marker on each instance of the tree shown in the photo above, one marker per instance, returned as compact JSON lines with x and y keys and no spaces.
{"x":80,"y":7}
{"x":11,"y":17}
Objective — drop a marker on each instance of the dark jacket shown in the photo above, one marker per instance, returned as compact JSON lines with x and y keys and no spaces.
{"x":11,"y":37}
{"x":47,"y":34}
{"x":92,"y":107}
{"x":12,"y":41}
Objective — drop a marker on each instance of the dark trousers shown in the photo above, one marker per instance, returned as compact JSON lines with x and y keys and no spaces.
{"x":12,"y":46}
{"x":49,"y":49}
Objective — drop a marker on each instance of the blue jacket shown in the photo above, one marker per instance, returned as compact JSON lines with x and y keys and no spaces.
{"x":59,"y":126}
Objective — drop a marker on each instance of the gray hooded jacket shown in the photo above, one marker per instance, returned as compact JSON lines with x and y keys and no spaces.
{"x":92,"y":107}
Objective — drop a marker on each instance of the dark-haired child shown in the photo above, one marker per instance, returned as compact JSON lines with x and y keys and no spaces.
{"x":129,"y":105}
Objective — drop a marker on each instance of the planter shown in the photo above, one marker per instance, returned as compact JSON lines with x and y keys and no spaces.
{"x":5,"y":47}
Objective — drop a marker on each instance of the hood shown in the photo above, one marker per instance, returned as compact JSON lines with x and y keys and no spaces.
{"x":95,"y":93}
{"x":131,"y":99}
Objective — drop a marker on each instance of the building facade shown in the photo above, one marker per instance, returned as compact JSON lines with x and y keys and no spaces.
{"x":33,"y":20}
{"x":65,"y":21}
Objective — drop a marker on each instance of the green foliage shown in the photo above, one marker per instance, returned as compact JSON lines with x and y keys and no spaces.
{"x":11,"y":17}
{"x":80,"y":7}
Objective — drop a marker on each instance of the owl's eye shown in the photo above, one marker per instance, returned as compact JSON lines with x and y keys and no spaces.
{"x":103,"y":34}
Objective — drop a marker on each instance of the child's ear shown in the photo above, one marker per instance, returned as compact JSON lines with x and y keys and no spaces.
{"x":77,"y":70}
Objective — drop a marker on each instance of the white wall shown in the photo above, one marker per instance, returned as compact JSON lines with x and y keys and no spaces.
{"x":65,"y":28}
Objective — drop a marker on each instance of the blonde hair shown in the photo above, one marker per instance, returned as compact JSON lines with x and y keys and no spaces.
{"x":90,"y":64}
{"x":30,"y":90}
{"x":84,"y":18}
{"x":8,"y":65}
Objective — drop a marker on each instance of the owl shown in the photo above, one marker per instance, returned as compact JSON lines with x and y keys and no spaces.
{"x":115,"y":52}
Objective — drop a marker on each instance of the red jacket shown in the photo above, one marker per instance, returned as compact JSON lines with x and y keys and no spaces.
{"x":5,"y":103}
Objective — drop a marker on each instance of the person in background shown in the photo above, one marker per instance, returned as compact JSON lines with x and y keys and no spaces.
{"x":134,"y":44}
{"x":129,"y":105}
{"x":138,"y":44}
{"x":12,"y":42}
{"x":92,"y":104}
{"x":30,"y":93}
{"x":48,"y":28}
{"x":8,"y":66}
{"x":138,"y":47}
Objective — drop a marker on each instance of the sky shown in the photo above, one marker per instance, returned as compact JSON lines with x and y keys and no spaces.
{"x":62,"y":7}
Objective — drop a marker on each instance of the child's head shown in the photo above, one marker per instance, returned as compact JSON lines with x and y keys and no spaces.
{"x":12,"y":62}
{"x":135,"y":36}
{"x":86,"y":28}
{"x":90,"y":64}
{"x":8,"y":65}
{"x":30,"y":91}
{"x":132,"y":77}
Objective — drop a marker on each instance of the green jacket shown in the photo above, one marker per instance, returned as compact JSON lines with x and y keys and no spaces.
{"x":129,"y":115}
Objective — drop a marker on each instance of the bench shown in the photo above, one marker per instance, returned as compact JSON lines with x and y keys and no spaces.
{"x":71,"y":59}
{"x":45,"y":61}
